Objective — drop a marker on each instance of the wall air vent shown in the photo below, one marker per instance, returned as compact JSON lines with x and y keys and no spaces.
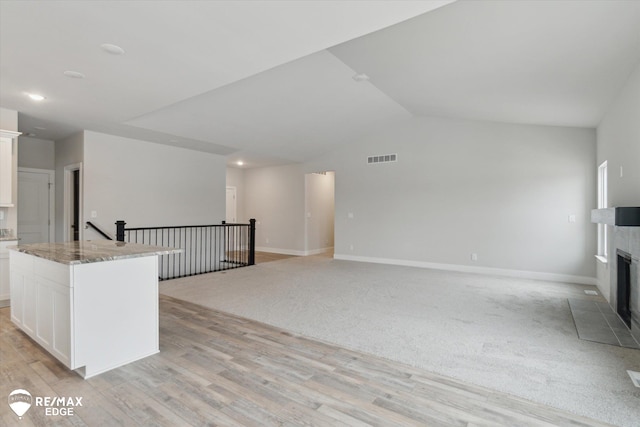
{"x":385,"y":158}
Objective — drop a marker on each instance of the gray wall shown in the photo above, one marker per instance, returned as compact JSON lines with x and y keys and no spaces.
{"x":235,"y":178}
{"x":8,"y":119}
{"x":274,"y":196}
{"x":148,"y":184}
{"x":68,"y":151}
{"x":36,"y":153}
{"x":319,"y":211}
{"x":502,"y":191}
{"x":619,"y":145}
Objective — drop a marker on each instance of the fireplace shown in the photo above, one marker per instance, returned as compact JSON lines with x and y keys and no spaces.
{"x":624,"y":287}
{"x":623,"y":225}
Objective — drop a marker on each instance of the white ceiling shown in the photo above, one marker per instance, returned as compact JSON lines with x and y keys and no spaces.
{"x":271,"y":82}
{"x":540,"y":62}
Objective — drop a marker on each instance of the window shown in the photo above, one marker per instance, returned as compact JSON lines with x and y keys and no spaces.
{"x":602,"y":204}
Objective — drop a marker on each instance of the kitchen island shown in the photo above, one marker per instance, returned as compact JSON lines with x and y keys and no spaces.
{"x":92,"y":304}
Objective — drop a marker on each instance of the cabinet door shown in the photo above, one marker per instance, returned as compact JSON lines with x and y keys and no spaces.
{"x":53,"y":324}
{"x":44,"y":313}
{"x":61,"y":347}
{"x":6,"y":170}
{"x":17,"y":299}
{"x":29,"y":308}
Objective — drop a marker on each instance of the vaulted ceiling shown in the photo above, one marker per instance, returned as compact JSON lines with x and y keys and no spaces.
{"x":271,"y":82}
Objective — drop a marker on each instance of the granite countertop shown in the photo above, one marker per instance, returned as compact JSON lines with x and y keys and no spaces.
{"x":83,"y":252}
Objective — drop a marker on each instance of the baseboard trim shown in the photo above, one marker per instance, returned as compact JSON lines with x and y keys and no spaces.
{"x":551,"y":277}
{"x":292,"y":251}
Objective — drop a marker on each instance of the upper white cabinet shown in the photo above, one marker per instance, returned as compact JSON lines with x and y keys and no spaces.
{"x":6,"y":167}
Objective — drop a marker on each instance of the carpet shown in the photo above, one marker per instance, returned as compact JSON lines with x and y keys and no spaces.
{"x":512,"y":335}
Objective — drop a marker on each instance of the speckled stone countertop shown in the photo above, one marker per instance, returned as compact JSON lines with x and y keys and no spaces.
{"x":83,"y":252}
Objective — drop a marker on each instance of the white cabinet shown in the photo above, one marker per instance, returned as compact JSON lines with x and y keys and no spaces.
{"x":6,"y":167}
{"x":92,"y":317}
{"x":41,"y":299}
{"x":4,"y":272}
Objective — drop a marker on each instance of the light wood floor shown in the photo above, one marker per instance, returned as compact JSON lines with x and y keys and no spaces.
{"x":262,"y":257}
{"x":219,"y":369}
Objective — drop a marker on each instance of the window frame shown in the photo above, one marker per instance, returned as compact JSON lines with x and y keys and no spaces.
{"x":603,"y":203}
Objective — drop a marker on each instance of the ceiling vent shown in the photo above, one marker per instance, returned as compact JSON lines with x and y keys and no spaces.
{"x":385,"y":158}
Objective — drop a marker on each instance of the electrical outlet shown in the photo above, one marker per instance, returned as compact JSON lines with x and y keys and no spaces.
{"x":474,"y":256}
{"x":351,"y":248}
{"x":266,"y":240}
{"x":572,"y":218}
{"x":94,"y":214}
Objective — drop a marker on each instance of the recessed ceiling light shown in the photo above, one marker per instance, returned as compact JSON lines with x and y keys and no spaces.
{"x":74,"y":74}
{"x":35,"y":96}
{"x":112,"y":49}
{"x":361,"y":77}
{"x":240,"y":163}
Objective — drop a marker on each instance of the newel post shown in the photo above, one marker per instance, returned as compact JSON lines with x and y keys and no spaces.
{"x":120,"y":230}
{"x":252,"y":241}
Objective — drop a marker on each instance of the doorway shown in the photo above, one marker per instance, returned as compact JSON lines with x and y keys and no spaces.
{"x":232,"y":207}
{"x":73,"y":202}
{"x":36,"y":210}
{"x":319,"y":201}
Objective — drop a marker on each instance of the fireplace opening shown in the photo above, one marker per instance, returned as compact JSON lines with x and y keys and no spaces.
{"x":624,"y":287}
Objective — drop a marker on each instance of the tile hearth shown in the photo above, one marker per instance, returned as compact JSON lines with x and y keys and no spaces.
{"x":597,"y":322}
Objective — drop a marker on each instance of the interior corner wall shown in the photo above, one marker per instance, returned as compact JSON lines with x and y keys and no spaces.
{"x":505,"y":192}
{"x":274,"y":196}
{"x":148,"y":184}
{"x":8,"y":119}
{"x":619,"y":145}
{"x":319,"y":212}
{"x":68,"y":151}
{"x":235,"y":178}
{"x":36,"y":153}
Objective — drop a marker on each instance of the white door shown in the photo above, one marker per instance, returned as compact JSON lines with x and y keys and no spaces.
{"x":34,"y":207}
{"x":229,"y":250}
{"x":231,"y":205}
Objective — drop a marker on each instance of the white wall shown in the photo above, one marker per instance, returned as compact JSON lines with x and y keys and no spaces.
{"x":149,"y":184}
{"x":274,"y":196}
{"x":619,"y":145}
{"x":9,"y":121}
{"x":36,"y":153}
{"x":319,"y":211}
{"x":459,"y":187}
{"x":68,"y":151}
{"x":235,"y":178}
